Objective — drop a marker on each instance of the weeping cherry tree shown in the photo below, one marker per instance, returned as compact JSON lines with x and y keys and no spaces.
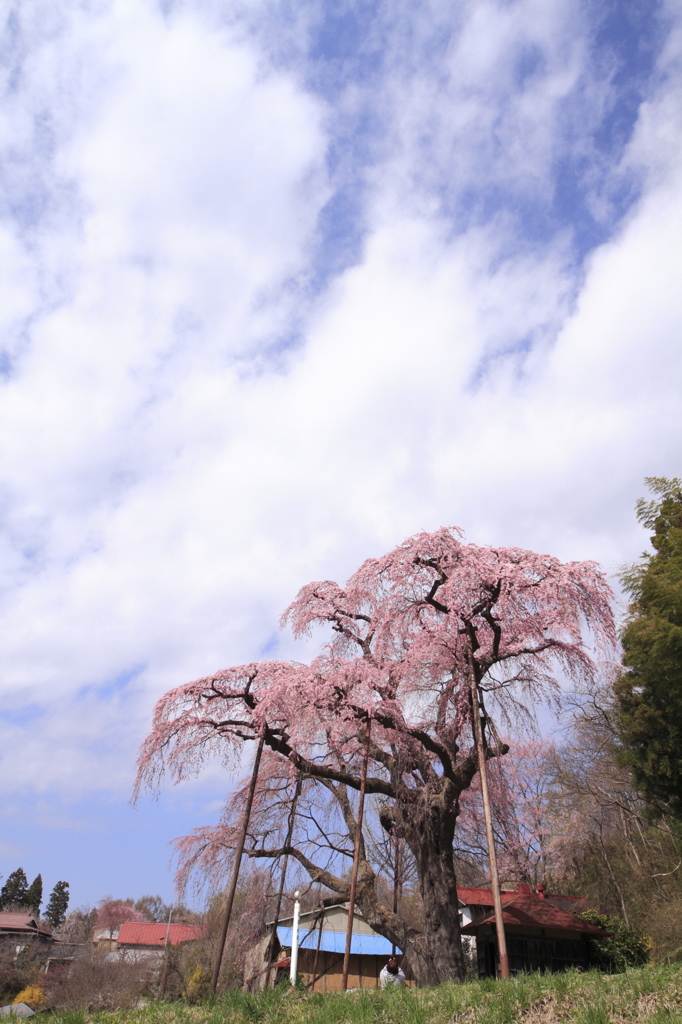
{"x":411,"y":632}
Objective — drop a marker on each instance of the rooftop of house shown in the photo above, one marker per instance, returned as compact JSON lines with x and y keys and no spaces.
{"x":480,"y":897}
{"x":532,"y":910}
{"x":21,"y":922}
{"x":134,"y":933}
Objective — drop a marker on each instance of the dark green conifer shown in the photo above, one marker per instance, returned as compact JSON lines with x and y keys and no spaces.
{"x":14,"y":892}
{"x":55,"y":911}
{"x":34,"y":894}
{"x":649,"y":692}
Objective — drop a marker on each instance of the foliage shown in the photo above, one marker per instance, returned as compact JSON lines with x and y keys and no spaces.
{"x":93,"y":983}
{"x":639,"y":996}
{"x":412,"y":633}
{"x":528,"y":815}
{"x":14,"y":892}
{"x":609,"y":850}
{"x":57,"y":905}
{"x":18,"y":972}
{"x":33,"y":995}
{"x":152,"y":908}
{"x":112,"y":913}
{"x":78,"y":924}
{"x":623,"y":948}
{"x":197,"y":982}
{"x":34,"y":894}
{"x":650,"y":690}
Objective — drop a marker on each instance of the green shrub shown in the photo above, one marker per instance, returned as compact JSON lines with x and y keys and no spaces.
{"x":622,"y":948}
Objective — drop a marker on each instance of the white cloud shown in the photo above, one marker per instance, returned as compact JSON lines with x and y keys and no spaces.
{"x":170,"y":477}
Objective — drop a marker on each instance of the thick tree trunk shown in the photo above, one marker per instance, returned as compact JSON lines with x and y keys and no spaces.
{"x":434,"y":954}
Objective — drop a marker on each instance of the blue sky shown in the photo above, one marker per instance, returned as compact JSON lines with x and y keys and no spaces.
{"x":284,"y":282}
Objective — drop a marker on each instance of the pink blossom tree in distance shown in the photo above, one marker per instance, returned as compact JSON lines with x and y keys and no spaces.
{"x":407,"y":632}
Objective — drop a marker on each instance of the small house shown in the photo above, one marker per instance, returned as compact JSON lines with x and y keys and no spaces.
{"x":19,"y":930}
{"x":142,"y":940}
{"x":540,"y":935}
{"x":321,"y":948}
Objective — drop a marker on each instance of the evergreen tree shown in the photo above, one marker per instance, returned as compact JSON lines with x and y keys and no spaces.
{"x":34,"y":894}
{"x":649,"y":692}
{"x":55,"y":912}
{"x":14,"y":892}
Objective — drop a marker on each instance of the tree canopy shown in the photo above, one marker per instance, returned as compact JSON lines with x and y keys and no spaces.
{"x":412,"y":632}
{"x":14,"y":892}
{"x":649,"y":691}
{"x":57,"y":905}
{"x":34,"y":894}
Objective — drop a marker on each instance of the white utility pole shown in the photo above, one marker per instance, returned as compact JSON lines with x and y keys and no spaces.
{"x":293,"y":969}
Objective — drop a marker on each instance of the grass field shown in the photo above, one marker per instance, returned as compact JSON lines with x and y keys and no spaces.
{"x":651,"y":994}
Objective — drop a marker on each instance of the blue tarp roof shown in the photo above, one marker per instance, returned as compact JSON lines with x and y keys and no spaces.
{"x":335,"y":942}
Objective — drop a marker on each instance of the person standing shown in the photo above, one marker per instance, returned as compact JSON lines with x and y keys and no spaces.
{"x":391,"y":974}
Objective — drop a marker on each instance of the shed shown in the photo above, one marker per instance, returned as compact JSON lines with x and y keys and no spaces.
{"x":321,"y":947}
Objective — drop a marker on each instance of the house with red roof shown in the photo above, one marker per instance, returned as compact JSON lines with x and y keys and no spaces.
{"x":541,"y":934}
{"x":146,"y":940}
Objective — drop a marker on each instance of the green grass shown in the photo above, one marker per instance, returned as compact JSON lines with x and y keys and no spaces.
{"x":648,"y":994}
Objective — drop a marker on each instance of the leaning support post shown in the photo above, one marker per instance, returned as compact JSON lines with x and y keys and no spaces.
{"x":237,"y":863}
{"x":492,"y":857}
{"x":396,"y":882}
{"x":282,"y":879}
{"x":356,"y":860}
{"x":311,"y":986}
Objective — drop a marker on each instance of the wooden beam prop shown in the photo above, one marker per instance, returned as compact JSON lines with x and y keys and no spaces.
{"x":356,"y":859}
{"x":237,"y":863}
{"x":492,"y":857}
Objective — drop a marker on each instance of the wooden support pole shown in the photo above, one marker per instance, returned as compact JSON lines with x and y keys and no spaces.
{"x":356,"y":860}
{"x":317,"y":952}
{"x":492,"y":858}
{"x":237,"y":863}
{"x":396,"y":883}
{"x":280,"y":894}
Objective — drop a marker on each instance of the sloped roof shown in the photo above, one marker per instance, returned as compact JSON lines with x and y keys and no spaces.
{"x":135,"y":933}
{"x":528,"y":910}
{"x":18,"y":922}
{"x":479,"y":897}
{"x":315,"y":912}
{"x":335,"y":942}
{"x":473,"y":896}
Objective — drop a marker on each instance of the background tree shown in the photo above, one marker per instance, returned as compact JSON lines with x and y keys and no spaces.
{"x":14,"y":892}
{"x":411,"y":633}
{"x":57,"y":905}
{"x":528,"y":816}
{"x":610,"y":850}
{"x":34,"y":894}
{"x":153,"y":908}
{"x":112,"y":913}
{"x":650,"y":690}
{"x":78,"y":924}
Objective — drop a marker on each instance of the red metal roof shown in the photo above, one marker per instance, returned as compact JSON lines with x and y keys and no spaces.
{"x":531,"y":911}
{"x":133,"y":933}
{"x":472,"y":896}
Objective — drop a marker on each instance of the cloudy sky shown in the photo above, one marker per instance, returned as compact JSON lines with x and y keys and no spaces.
{"x":283,"y":282}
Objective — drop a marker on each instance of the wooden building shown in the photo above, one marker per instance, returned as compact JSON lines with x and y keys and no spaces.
{"x":541,"y":936}
{"x":19,"y":930}
{"x":321,"y":946}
